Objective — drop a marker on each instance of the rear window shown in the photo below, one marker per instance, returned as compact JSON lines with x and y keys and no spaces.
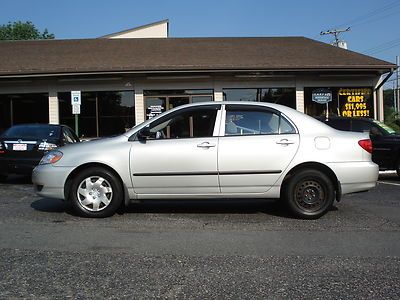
{"x":385,"y":128}
{"x":361,"y":126}
{"x":340,"y":124}
{"x":33,"y":131}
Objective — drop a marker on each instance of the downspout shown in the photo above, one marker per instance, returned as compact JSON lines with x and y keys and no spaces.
{"x":380,"y":114}
{"x":384,"y":80}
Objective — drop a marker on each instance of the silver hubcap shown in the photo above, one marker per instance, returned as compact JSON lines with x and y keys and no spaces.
{"x":94,"y":193}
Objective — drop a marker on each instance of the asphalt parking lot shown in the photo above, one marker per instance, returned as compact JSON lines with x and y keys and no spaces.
{"x":190,"y":249}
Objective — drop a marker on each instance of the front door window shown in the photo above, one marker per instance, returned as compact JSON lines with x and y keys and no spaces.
{"x":193,"y":123}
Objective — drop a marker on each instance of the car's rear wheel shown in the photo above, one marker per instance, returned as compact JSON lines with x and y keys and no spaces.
{"x":309,"y":194}
{"x":96,"y":193}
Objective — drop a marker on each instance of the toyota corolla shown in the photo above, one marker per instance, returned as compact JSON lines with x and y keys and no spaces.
{"x":213,"y":150}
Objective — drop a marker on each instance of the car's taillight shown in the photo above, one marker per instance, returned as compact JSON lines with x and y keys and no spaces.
{"x":366,"y":145}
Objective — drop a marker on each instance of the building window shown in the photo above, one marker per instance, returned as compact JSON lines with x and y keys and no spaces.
{"x":346,"y":102}
{"x":102,"y":113}
{"x":23,"y":108}
{"x":283,"y":96}
{"x":158,"y":101}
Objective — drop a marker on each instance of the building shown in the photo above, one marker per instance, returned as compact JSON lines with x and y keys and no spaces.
{"x":124,"y":79}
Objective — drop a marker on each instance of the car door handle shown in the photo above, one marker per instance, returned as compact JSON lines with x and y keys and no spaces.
{"x":285,"y":142}
{"x":206,"y":145}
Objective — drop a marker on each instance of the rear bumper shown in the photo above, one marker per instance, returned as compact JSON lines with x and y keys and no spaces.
{"x":356,"y":176}
{"x":18,"y":166}
{"x":49,"y":181}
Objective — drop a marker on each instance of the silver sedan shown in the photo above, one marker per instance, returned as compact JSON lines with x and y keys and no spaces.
{"x":213,"y":150}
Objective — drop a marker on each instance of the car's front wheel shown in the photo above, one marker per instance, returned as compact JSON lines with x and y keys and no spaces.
{"x":96,"y":193}
{"x":309,"y":194}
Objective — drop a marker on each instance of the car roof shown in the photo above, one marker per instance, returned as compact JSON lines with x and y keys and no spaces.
{"x":302,"y":121}
{"x":275,"y":106}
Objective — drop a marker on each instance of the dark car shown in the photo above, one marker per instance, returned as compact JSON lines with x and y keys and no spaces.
{"x":22,"y":146}
{"x":385,"y":140}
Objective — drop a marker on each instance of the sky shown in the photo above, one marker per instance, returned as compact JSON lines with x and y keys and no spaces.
{"x":372,"y":23}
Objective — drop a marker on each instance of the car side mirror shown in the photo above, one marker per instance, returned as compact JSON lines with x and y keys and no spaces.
{"x":144,"y":133}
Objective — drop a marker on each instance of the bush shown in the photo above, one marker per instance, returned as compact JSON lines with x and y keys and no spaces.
{"x":392,"y":118}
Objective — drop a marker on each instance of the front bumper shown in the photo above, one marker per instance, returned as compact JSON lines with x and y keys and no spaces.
{"x":49,"y":181}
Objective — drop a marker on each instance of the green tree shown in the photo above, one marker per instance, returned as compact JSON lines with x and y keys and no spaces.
{"x":388,"y":97}
{"x":23,"y":31}
{"x":392,"y":118}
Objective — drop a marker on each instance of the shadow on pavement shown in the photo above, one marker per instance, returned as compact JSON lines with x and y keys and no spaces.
{"x":270,"y":207}
{"x":249,"y":206}
{"x":17,"y":179}
{"x":208,"y":207}
{"x":389,"y":176}
{"x":51,"y":206}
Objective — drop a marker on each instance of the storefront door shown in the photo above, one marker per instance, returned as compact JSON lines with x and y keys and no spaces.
{"x":23,"y":108}
{"x":156,"y":102}
{"x":177,"y":101}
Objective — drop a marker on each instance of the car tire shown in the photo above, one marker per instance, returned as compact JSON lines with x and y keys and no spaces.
{"x":96,"y":193}
{"x":398,"y":168}
{"x":309,"y":194}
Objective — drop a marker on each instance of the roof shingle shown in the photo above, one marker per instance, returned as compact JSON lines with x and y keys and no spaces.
{"x":178,"y":54}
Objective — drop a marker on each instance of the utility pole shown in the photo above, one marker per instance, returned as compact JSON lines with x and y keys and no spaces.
{"x":335,"y":33}
{"x":395,"y":96}
{"x":397,"y":99}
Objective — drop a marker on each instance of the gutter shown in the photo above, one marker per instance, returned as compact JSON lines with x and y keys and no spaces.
{"x":177,"y":71}
{"x":384,"y":80}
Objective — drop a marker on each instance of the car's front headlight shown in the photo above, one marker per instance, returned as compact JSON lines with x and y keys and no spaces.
{"x":51,"y":157}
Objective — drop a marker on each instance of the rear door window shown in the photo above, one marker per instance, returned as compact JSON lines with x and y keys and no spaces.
{"x":242,"y":120}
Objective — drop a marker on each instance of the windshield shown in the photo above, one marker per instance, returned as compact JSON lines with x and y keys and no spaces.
{"x":385,"y":128}
{"x":33,"y":131}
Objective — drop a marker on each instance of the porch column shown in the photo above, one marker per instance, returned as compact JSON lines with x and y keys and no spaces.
{"x":140,"y":114}
{"x":300,"y":97}
{"x":380,"y":113}
{"x":218,"y":94}
{"x":54,"y":117}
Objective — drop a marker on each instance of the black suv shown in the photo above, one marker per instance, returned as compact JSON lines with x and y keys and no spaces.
{"x":22,"y":146}
{"x":385,"y":141}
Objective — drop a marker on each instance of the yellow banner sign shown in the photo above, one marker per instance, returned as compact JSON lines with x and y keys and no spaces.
{"x":355,"y":102}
